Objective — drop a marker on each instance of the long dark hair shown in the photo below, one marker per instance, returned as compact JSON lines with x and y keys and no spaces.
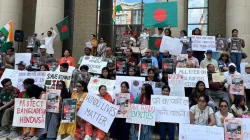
{"x":197,"y":87}
{"x":101,"y":87}
{"x":166,"y":86}
{"x":149,"y":91}
{"x":34,"y":91}
{"x":84,"y":85}
{"x":105,"y":68}
{"x":125,"y":83}
{"x":193,"y":32}
{"x":225,"y":54}
{"x":234,"y":30}
{"x":45,"y":66}
{"x":63,"y":84}
{"x":168,"y":29}
{"x":155,"y":74}
{"x":237,"y":100}
{"x":184,"y":31}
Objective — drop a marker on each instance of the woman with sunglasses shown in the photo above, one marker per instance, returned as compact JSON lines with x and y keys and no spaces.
{"x":222,"y":114}
{"x":74,"y":129}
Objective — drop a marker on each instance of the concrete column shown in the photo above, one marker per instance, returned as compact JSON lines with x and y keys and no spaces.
{"x":238,"y":18}
{"x":11,"y":10}
{"x":48,"y":14}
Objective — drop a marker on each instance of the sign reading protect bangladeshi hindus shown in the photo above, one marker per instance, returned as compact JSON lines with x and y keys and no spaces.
{"x":95,"y":83}
{"x":52,"y":78}
{"x":141,"y":114}
{"x":95,"y":64}
{"x":176,"y":84}
{"x":122,"y":100}
{"x":203,"y":43}
{"x":193,"y":75}
{"x":171,"y":108}
{"x":145,"y":65}
{"x":98,"y":111}
{"x":69,"y":111}
{"x":52,"y":97}
{"x":29,"y":113}
{"x":233,"y":129}
{"x":200,"y":132}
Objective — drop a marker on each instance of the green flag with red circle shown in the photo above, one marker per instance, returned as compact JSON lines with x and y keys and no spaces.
{"x":161,"y":14}
{"x":63,"y":29}
{"x":154,"y":43}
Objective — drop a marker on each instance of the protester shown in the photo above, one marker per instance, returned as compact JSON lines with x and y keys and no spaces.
{"x":169,"y":126}
{"x":105,"y":73}
{"x":9,"y":58}
{"x":146,"y":130}
{"x":111,"y":59}
{"x":132,"y":71}
{"x":29,"y":50}
{"x":201,"y":113}
{"x":44,"y":67}
{"x":92,"y":44}
{"x":192,"y":59}
{"x":167,"y":32}
{"x":129,"y":31}
{"x":222,"y":114}
{"x":209,"y":60}
{"x":165,"y":55}
{"x":239,"y":107}
{"x":87,"y":52}
{"x":64,"y":67}
{"x":149,"y":56}
{"x":21,"y":66}
{"x":101,"y":49}
{"x":152,"y":76}
{"x":35,"y":43}
{"x":224,"y":61}
{"x":67,"y":59}
{"x":164,"y":78}
{"x":190,"y":64}
{"x":44,"y":56}
{"x":131,"y":61}
{"x":185,"y":41}
{"x":49,"y":41}
{"x":89,"y":127}
{"x":159,"y":34}
{"x":198,"y":54}
{"x":120,"y":129}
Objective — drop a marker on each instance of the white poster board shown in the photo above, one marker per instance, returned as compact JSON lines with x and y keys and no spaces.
{"x":199,"y":132}
{"x":193,"y":75}
{"x":246,"y":128}
{"x":25,"y":57}
{"x":120,"y":79}
{"x":52,"y":78}
{"x":176,"y":84}
{"x":98,"y":112}
{"x":173,"y":45}
{"x":29,"y":113}
{"x":203,"y":43}
{"x":12,"y":75}
{"x":95,"y":64}
{"x":247,"y":80}
{"x":171,"y":108}
{"x":70,"y":70}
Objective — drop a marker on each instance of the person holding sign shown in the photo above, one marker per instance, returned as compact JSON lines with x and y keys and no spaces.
{"x":89,"y":127}
{"x":105,"y":73}
{"x":67,"y":59}
{"x":87,"y":52}
{"x":44,"y":67}
{"x":222,"y":114}
{"x":239,"y":107}
{"x":198,"y":54}
{"x":149,"y":56}
{"x":146,"y":130}
{"x":64,"y":67}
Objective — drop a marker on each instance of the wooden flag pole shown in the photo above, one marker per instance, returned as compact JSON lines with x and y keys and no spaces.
{"x":139,"y":132}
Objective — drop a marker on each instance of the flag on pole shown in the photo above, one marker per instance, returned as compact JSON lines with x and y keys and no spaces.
{"x":117,"y":8}
{"x":63,"y":29}
{"x":7,"y":31}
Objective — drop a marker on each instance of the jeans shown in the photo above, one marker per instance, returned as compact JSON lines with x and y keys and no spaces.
{"x":236,"y":59}
{"x":163,"y":131}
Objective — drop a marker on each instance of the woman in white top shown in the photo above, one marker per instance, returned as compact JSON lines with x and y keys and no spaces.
{"x":202,"y":114}
{"x":222,"y":114}
{"x":101,"y":49}
{"x":239,"y":107}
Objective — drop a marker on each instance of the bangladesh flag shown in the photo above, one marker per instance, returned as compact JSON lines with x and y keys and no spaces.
{"x":63,"y":29}
{"x":160,"y":14}
{"x":155,"y":43}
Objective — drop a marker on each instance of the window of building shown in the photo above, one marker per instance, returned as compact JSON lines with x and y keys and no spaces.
{"x":198,"y":16}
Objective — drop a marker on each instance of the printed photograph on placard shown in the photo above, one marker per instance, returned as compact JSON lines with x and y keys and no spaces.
{"x":237,"y":85}
{"x":52,"y":97}
{"x":221,"y":44}
{"x":233,"y":129}
{"x":168,"y":65}
{"x":52,"y":64}
{"x":123,"y":101}
{"x":145,"y":65}
{"x":236,"y":44}
{"x":34,"y":61}
{"x":181,"y":60}
{"x":69,"y":111}
{"x":125,"y":41}
{"x":121,"y":65}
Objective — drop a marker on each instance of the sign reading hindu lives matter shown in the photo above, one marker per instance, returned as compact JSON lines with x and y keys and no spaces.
{"x":237,"y":85}
{"x":141,"y":114}
{"x":199,"y":132}
{"x":193,"y":75}
{"x":171,"y":108}
{"x":98,"y":112}
{"x":69,"y":111}
{"x":95,"y":64}
{"x":12,"y":75}
{"x":25,"y":57}
{"x":122,"y":100}
{"x":233,"y":129}
{"x":247,"y":80}
{"x":52,"y":78}
{"x":52,"y":97}
{"x":203,"y":43}
{"x":95,"y":83}
{"x":120,"y":79}
{"x":246,"y":128}
{"x":176,"y":84}
{"x":29,"y":113}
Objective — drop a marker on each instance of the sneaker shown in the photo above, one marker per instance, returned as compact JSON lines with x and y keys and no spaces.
{"x":12,"y":135}
{"x":4,"y":133}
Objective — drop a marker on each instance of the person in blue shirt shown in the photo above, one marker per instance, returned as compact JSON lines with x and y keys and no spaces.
{"x":149,"y":56}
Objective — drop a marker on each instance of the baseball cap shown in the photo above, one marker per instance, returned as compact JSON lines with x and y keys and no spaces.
{"x":248,"y":65}
{"x":209,"y":51}
{"x":189,"y":50}
{"x":42,"y":47}
{"x":21,"y":63}
{"x":232,"y":64}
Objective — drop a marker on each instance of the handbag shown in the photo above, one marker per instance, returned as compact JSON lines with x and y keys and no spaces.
{"x":244,"y":55}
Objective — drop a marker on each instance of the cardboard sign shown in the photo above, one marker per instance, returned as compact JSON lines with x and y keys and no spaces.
{"x":25,"y":57}
{"x":232,"y":127}
{"x":95,"y":83}
{"x":203,"y":43}
{"x":145,"y":65}
{"x":237,"y":85}
{"x":122,"y":100}
{"x":247,"y":81}
{"x":52,"y":64}
{"x":171,"y":108}
{"x":141,"y":114}
{"x":52,"y":97}
{"x":70,"y":70}
{"x":168,"y":65}
{"x":12,"y":75}
{"x":120,"y":79}
{"x":193,"y":75}
{"x":246,"y":128}
{"x":199,"y":132}
{"x":98,"y":112}
{"x":176,"y":84}
{"x":221,"y":44}
{"x":218,"y":77}
{"x":52,"y":78}
{"x":69,"y":111}
{"x":121,"y":66}
{"x":95,"y":64}
{"x":173,"y":45}
{"x":29,"y":113}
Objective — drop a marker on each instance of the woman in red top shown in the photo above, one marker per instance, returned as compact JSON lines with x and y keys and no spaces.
{"x":67,"y":59}
{"x":129,"y":31}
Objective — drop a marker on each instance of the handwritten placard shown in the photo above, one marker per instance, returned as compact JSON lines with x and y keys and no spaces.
{"x":203,"y":43}
{"x":199,"y":132}
{"x":25,"y":57}
{"x":120,"y":79}
{"x":122,"y":100}
{"x":247,"y":81}
{"x":52,"y":78}
{"x":141,"y":114}
{"x":29,"y":113}
{"x":218,"y":77}
{"x":12,"y":75}
{"x":98,"y":112}
{"x":95,"y":64}
{"x":171,"y":108}
{"x":193,"y":75}
{"x":246,"y":128}
{"x":176,"y":84}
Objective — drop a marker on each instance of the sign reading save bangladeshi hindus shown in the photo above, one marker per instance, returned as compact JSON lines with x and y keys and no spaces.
{"x":122,"y":100}
{"x":141,"y":114}
{"x":171,"y":108}
{"x":98,"y":112}
{"x":29,"y":113}
{"x":193,"y":75}
{"x":203,"y":43}
{"x":52,"y":78}
{"x":95,"y":64}
{"x":95,"y":83}
{"x":176,"y":84}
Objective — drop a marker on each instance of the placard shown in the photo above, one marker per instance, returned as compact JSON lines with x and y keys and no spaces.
{"x":121,"y":66}
{"x":247,"y":80}
{"x":171,"y":108}
{"x":52,"y":78}
{"x":98,"y":112}
{"x":173,"y":45}
{"x":193,"y":75}
{"x":176,"y":84}
{"x":233,"y":129}
{"x":52,"y":97}
{"x":218,"y":77}
{"x":125,"y":41}
{"x":145,"y":65}
{"x":221,"y":44}
{"x":200,"y":132}
{"x":120,"y":79}
{"x":25,"y":57}
{"x":95,"y":64}
{"x":69,"y":111}
{"x":122,"y":100}
{"x":246,"y":128}
{"x":34,"y":60}
{"x":168,"y":65}
{"x":203,"y":43}
{"x":12,"y":75}
{"x":51,"y":63}
{"x":95,"y":83}
{"x":237,"y":85}
{"x":29,"y":113}
{"x":236,"y":44}
{"x":141,"y":114}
